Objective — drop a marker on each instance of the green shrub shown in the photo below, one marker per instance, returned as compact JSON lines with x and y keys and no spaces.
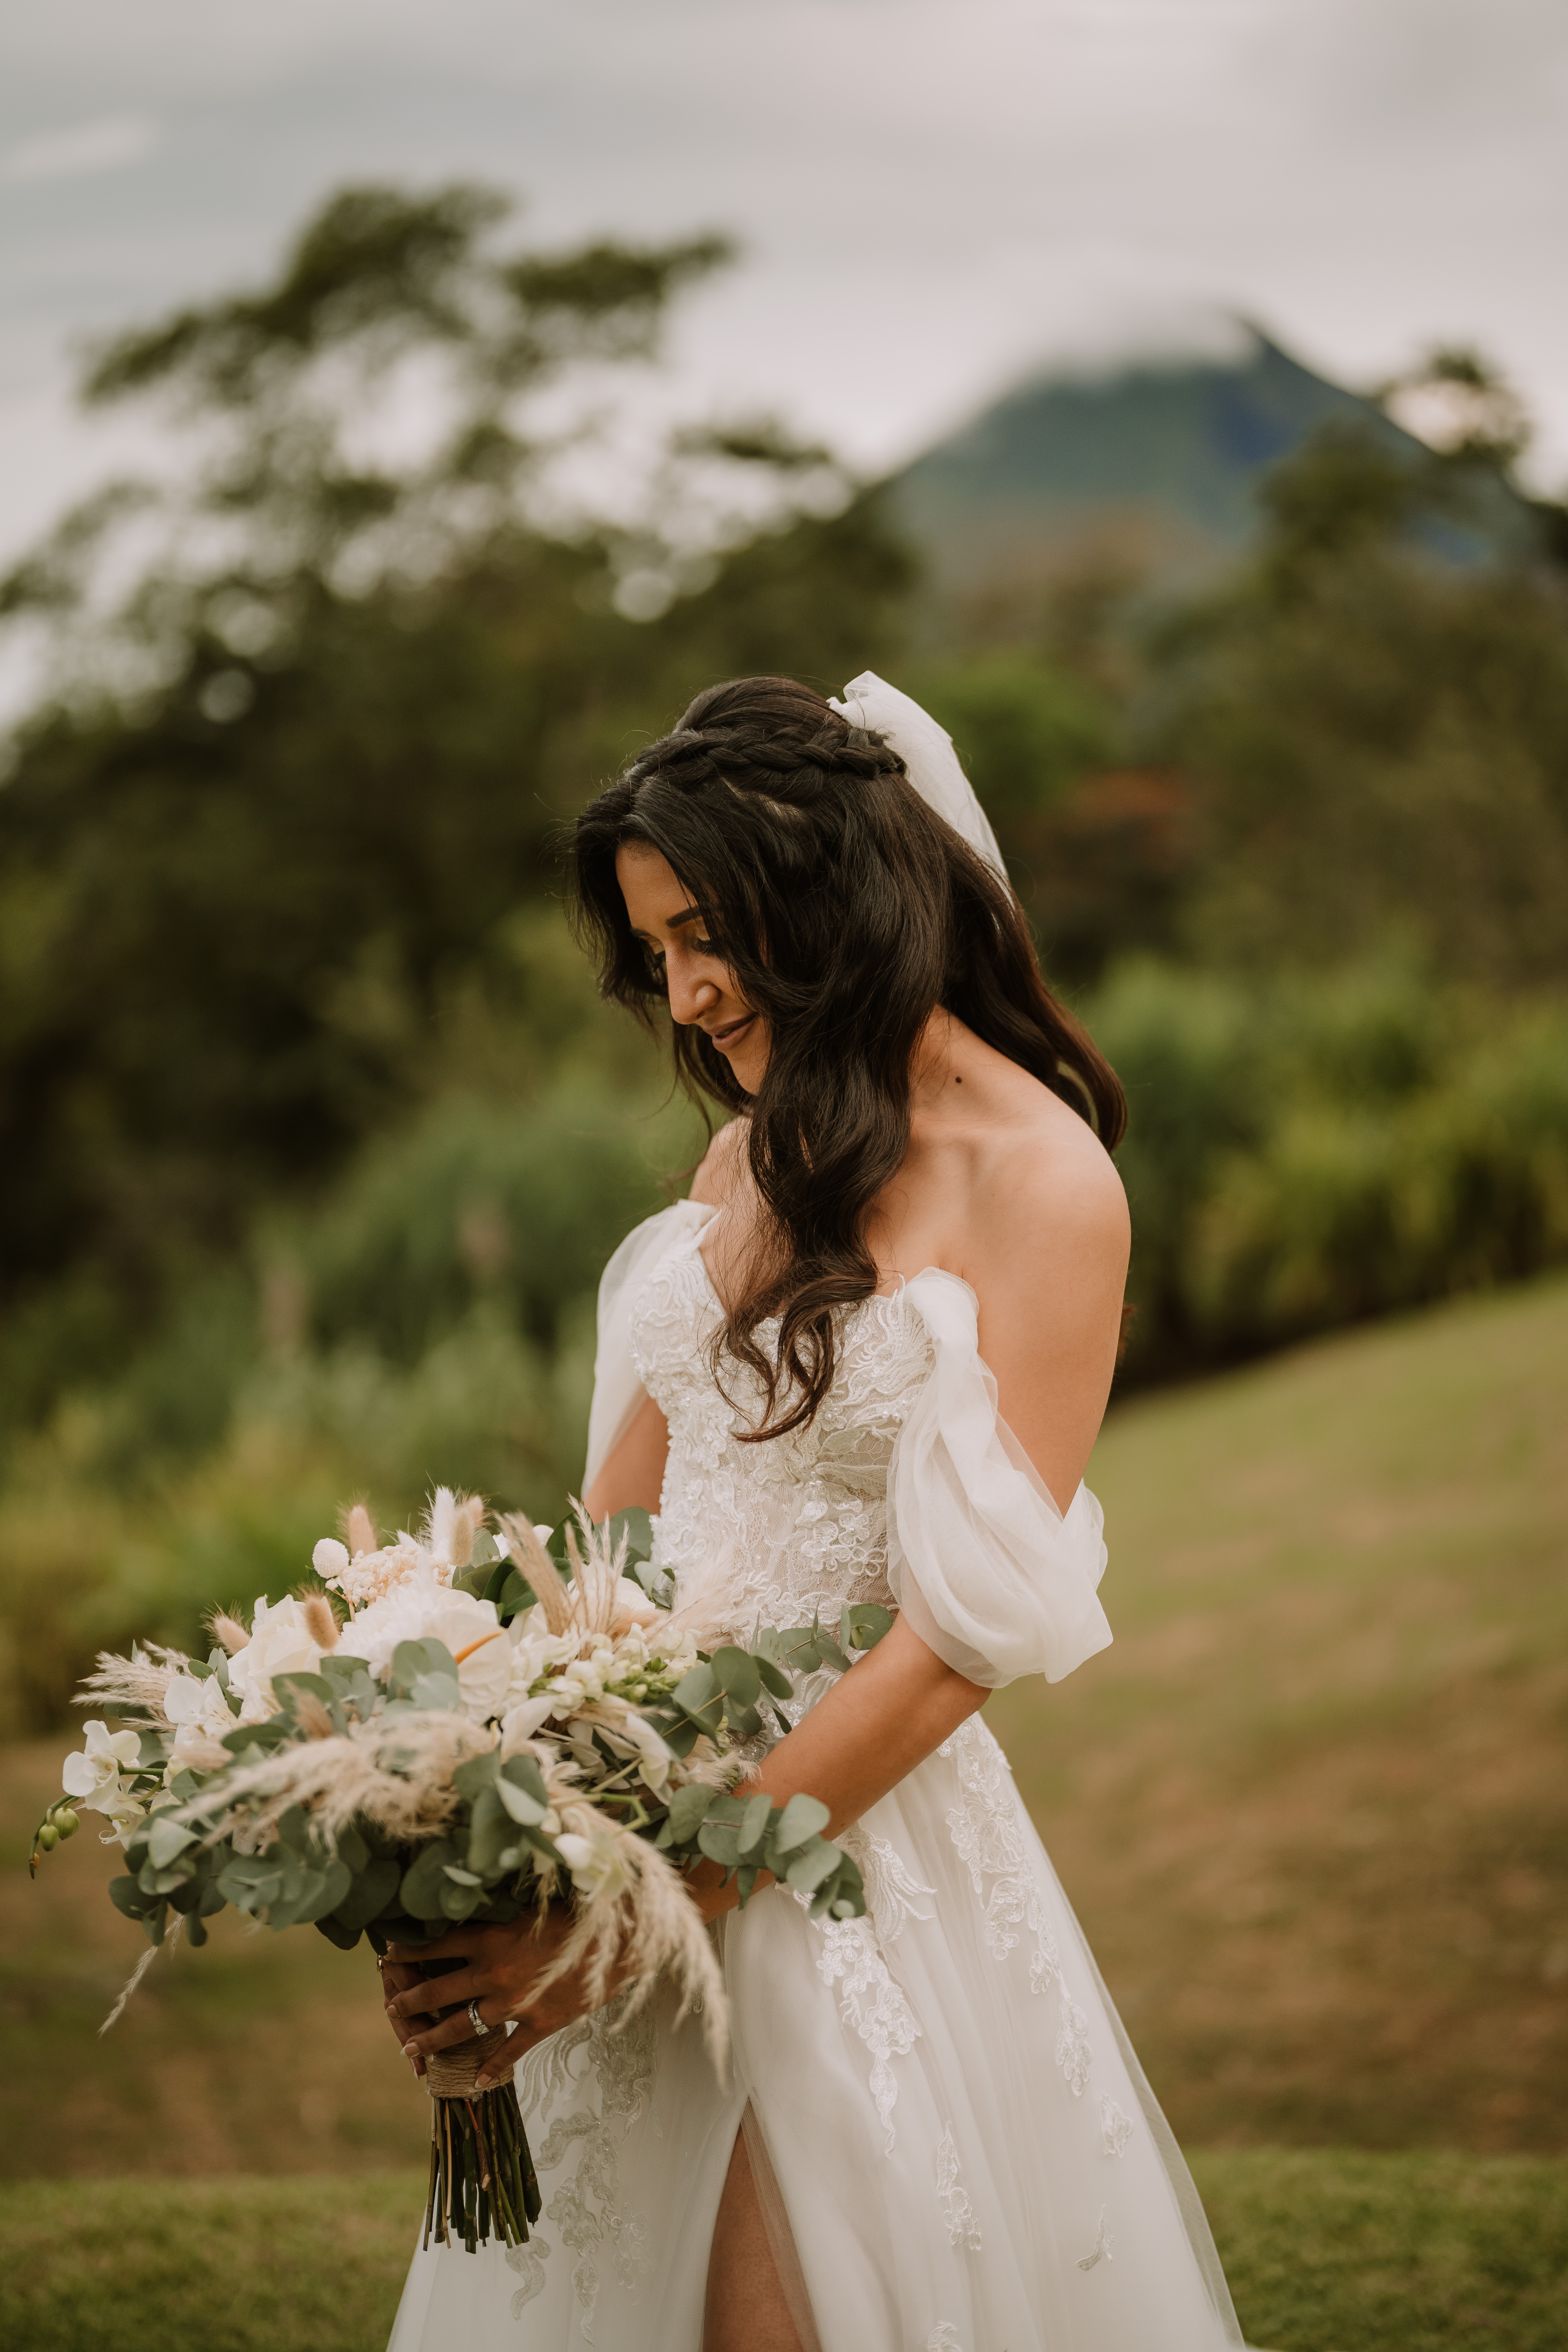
{"x":1304,"y":1153}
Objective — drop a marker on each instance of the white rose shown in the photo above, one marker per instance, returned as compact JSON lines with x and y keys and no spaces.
{"x":92,"y":1777}
{"x":280,"y":1644}
{"x":422,"y":1609}
{"x":632,"y":1607}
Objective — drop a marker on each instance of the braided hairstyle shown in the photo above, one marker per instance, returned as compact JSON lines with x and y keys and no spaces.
{"x":849,"y":912}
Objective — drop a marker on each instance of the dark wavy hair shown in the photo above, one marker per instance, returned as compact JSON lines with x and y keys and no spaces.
{"x":849,"y":912}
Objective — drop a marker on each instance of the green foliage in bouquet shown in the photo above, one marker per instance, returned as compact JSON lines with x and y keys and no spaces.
{"x":500,"y":1724}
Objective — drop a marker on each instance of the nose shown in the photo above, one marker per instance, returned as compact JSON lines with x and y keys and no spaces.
{"x":690,"y":997}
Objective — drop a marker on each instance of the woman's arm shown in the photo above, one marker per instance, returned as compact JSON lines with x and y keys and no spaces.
{"x":885,"y":1716}
{"x":1048,"y":1264}
{"x":632,"y":1475}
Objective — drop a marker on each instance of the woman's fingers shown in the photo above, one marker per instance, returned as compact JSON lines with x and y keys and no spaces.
{"x":498,"y":2066}
{"x":439,"y":2036}
{"x":395,"y":1978}
{"x":456,"y":1944}
{"x":428,"y":1993}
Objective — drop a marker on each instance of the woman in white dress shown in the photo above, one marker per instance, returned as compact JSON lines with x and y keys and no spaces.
{"x":866,"y":1360}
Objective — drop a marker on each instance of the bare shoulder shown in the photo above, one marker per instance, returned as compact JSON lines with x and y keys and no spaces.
{"x":722,"y":1165}
{"x":1047,"y":1262}
{"x":1051,"y":1186}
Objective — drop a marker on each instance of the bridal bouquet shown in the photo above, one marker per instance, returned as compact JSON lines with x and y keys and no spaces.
{"x":461,"y":1725}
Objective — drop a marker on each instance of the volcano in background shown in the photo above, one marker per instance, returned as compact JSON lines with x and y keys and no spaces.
{"x":1153,"y":465}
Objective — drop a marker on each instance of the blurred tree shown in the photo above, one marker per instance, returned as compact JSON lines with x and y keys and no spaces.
{"x":1097,"y":849}
{"x":284,"y":791}
{"x":1376,"y":740}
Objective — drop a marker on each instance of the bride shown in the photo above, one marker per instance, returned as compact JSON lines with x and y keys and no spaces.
{"x":866,"y":1360}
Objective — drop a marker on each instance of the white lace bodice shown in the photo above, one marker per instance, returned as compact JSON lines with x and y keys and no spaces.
{"x":772,"y":1532}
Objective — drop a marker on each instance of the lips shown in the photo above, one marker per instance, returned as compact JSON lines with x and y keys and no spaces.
{"x":730,"y":1035}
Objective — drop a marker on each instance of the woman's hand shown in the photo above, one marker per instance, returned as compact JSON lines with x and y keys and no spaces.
{"x":880,"y":1720}
{"x":502,"y":1966}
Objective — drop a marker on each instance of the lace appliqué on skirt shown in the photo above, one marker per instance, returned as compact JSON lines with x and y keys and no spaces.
{"x":1115,"y":2128}
{"x":868,"y":2001}
{"x":585,"y":2208}
{"x":892,"y":1890}
{"x":1100,"y":2248}
{"x":988,"y":1833}
{"x":963,"y":2228}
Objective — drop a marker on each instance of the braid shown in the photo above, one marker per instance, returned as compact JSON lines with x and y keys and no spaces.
{"x":752,"y":750}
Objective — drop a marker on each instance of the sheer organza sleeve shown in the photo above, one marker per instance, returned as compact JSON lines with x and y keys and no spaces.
{"x":982,"y":1562}
{"x":617,"y":1389}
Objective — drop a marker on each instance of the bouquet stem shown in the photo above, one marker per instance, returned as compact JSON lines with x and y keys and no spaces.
{"x":482,"y":2182}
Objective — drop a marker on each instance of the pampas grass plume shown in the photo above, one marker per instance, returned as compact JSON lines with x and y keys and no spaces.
{"x":229,"y":1632}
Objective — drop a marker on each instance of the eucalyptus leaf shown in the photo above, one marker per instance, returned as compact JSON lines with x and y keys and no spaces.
{"x":636,"y":1525}
{"x":368,"y":1897}
{"x":803,"y":1817}
{"x":719,"y":1840}
{"x":527,"y":1809}
{"x":167,"y":1838}
{"x":738,"y":1675}
{"x":523,"y":1772}
{"x":812,"y":1865}
{"x":863,"y":1624}
{"x":420,"y":1892}
{"x":754,"y":1822}
{"x":688,"y":1809}
{"x":473,"y":1776}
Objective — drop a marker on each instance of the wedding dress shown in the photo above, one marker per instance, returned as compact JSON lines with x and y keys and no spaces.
{"x":944,"y":2114}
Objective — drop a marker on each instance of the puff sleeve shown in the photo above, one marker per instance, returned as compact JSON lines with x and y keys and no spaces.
{"x":617,"y":1389}
{"x":987,"y":1569}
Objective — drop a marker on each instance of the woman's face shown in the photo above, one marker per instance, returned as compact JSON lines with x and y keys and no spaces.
{"x":702,"y":993}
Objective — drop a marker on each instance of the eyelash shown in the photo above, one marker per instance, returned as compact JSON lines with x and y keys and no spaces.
{"x":656,"y":959}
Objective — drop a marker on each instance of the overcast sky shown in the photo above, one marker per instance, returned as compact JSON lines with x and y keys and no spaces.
{"x":932,"y":194}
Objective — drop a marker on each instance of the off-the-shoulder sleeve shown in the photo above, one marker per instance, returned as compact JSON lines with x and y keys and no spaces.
{"x":982,"y":1562}
{"x":617,"y":1390}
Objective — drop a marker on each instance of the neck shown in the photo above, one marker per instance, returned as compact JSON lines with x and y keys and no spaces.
{"x":941,"y":1067}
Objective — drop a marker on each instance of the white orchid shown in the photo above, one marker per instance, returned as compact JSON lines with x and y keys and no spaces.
{"x":201,"y":1714}
{"x":595,"y":1864}
{"x":92,"y":1776}
{"x":654,"y":1758}
{"x":521,"y":1723}
{"x":95,"y":1771}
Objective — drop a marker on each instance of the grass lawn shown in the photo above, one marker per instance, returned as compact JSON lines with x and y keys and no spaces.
{"x":1310,"y":1805}
{"x":1326,"y":2252}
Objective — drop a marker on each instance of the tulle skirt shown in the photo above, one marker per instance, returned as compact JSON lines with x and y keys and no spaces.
{"x":955,"y":2147}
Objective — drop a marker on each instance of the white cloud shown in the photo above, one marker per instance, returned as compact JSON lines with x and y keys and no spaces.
{"x":105,"y":145}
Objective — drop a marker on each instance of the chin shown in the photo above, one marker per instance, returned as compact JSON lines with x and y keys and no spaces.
{"x":747,"y":1069}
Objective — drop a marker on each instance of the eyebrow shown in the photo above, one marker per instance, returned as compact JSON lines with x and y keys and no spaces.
{"x":690,"y":914}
